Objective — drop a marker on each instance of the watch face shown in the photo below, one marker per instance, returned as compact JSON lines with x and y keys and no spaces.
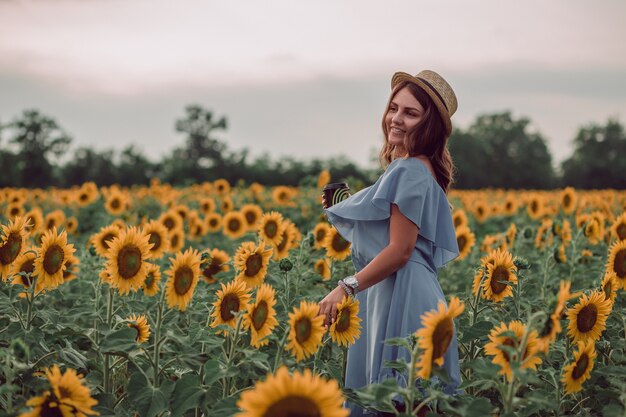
{"x":351,"y":281}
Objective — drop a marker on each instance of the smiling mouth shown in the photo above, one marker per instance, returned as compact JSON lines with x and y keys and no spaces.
{"x":396,"y":131}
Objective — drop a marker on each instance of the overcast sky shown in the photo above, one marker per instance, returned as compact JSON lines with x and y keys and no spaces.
{"x":303,"y":78}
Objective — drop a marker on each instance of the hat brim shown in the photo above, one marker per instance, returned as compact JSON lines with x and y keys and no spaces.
{"x":401,"y":77}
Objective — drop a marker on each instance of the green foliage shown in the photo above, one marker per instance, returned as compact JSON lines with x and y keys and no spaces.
{"x":598,"y":159}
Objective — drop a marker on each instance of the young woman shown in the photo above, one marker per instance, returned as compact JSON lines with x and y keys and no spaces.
{"x":401,"y":231}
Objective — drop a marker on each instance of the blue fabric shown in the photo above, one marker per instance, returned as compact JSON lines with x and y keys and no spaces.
{"x":392,"y":307}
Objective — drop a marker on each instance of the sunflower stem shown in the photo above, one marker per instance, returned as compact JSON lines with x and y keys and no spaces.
{"x":281,"y":346}
{"x":412,"y":377}
{"x":31,"y":300}
{"x":107,"y":358}
{"x":157,"y":339}
{"x":231,"y":354}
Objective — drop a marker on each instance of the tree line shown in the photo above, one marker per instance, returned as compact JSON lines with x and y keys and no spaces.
{"x":497,"y":150}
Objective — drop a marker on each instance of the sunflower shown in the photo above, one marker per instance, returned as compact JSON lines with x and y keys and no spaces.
{"x":197,"y":227}
{"x":305,"y":330}
{"x":568,"y":199}
{"x":579,"y":371}
{"x":87,"y":194}
{"x":498,"y":275}
{"x":303,"y":394}
{"x":182,"y":279}
{"x":182,"y":210}
{"x":54,"y":219}
{"x":261,"y":316}
{"x":282,"y":195}
{"x":616,"y":262}
{"x":71,"y":269}
{"x":218,"y":263}
{"x":140,"y":324}
{"x":153,"y":278}
{"x":536,"y":206}
{"x":233,"y":296}
{"x":14,"y":210}
{"x":35,"y":218}
{"x":465,"y":239}
{"x":511,"y":205}
{"x":618,"y":228}
{"x":552,"y":325}
{"x":320,"y":231}
{"x":52,"y":256}
{"x":323,"y":179}
{"x":252,"y":213}
{"x":101,"y":241}
{"x":559,"y":254}
{"x":213,"y":222}
{"x":158,"y":238}
{"x":436,"y":334}
{"x":71,"y":225}
{"x":256,"y":190}
{"x":593,"y":231}
{"x":207,"y":205}
{"x":221,"y":186}
{"x":12,"y":242}
{"x":251,"y":262}
{"x":116,"y":203}
{"x":544,"y":237}
{"x":346,"y":329}
{"x":177,"y":240}
{"x":480,"y":211}
{"x":288,"y":236}
{"x":235,"y":225}
{"x":481,"y":271}
{"x":610,"y":286}
{"x":271,"y":227}
{"x":587,"y":319}
{"x":126,"y":260}
{"x":171,"y":220}
{"x":336,"y":246}
{"x":499,"y":336}
{"x":67,"y":396}
{"x":510,"y":235}
{"x":322,"y":267}
{"x":566,"y":233}
{"x":25,"y":263}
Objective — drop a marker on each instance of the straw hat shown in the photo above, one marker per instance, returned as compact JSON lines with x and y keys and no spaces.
{"x":437,"y":88}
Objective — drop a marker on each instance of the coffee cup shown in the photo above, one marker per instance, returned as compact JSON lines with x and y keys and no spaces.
{"x":336,"y":192}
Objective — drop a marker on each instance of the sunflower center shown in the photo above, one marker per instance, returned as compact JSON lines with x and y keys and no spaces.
{"x":10,"y":250}
{"x":169,"y":223}
{"x":339,"y":244}
{"x":534,"y":206}
{"x":234,"y":225}
{"x":129,"y":261}
{"x":303,"y":330}
{"x":47,"y":411}
{"x":83,"y":197}
{"x":441,"y":337}
{"x":155,"y":239}
{"x":461,"y":241}
{"x":105,"y":240}
{"x":320,"y":268}
{"x":567,"y":200}
{"x":53,"y":259}
{"x":213,"y":222}
{"x":457,"y":221}
{"x":293,"y":406}
{"x":581,"y":366}
{"x":29,"y":268}
{"x":508,"y":342}
{"x":547,"y":328}
{"x":621,"y":231}
{"x":619,"y":265}
{"x":254,"y":263}
{"x":212,"y":269}
{"x":343,"y":321}
{"x":259,"y":315}
{"x":250,"y":217}
{"x":183,"y":278}
{"x":320,"y":235}
{"x":115,"y":204}
{"x":500,"y":273}
{"x":230,"y":302}
{"x":587,"y":318}
{"x":175,"y":240}
{"x":149,"y":280}
{"x":271,"y":229}
{"x":283,"y":242}
{"x":136,"y":327}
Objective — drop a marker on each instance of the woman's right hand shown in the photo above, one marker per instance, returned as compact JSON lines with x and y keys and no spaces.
{"x":324,"y":202}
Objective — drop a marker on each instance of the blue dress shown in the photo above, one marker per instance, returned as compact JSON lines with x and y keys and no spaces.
{"x":393,"y":306}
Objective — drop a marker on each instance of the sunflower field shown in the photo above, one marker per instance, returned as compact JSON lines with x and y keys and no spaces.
{"x":202,"y":301}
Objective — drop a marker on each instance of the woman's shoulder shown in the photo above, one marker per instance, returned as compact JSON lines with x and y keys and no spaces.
{"x":417,"y":169}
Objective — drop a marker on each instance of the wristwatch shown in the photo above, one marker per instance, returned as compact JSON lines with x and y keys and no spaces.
{"x":351,"y":282}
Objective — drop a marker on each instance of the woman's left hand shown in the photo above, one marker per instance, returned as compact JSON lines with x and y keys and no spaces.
{"x":328,"y":306}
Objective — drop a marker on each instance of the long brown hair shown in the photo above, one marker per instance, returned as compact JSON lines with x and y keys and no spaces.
{"x":428,"y":138}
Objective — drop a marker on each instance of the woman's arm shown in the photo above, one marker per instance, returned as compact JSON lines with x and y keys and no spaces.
{"x":402,"y":237}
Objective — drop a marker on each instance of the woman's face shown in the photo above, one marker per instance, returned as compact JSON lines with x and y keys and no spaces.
{"x":403,"y":115}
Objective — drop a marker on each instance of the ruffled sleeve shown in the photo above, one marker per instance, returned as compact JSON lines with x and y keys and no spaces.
{"x":413,"y":189}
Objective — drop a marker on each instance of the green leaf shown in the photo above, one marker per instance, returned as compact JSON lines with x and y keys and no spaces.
{"x":479,"y":329}
{"x":187,"y":394}
{"x":612,"y":410}
{"x":399,"y":341}
{"x":122,"y":340}
{"x":147,"y":400}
